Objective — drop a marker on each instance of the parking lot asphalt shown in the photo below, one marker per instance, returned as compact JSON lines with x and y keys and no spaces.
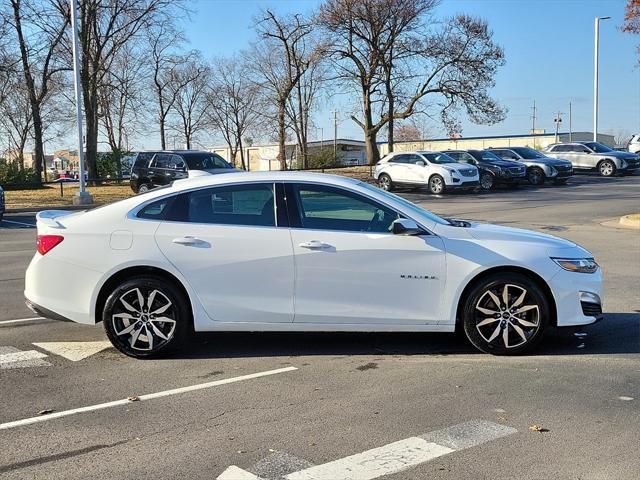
{"x":250,"y":405}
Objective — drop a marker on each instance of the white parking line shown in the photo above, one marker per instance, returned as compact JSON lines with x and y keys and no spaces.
{"x":20,"y":223}
{"x":11,"y":357}
{"x":20,"y":320}
{"x":150,"y":396}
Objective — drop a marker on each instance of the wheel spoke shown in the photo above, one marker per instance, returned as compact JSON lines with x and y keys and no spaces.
{"x":158,"y":332}
{"x":127,"y":329}
{"x":525,"y":323}
{"x":505,"y":295}
{"x":494,"y":297}
{"x":495,"y":334}
{"x":140,"y":298}
{"x":128,"y":306}
{"x":161,"y":309}
{"x":526,"y":308}
{"x":520,"y":331}
{"x":486,"y":311}
{"x":151,"y":298}
{"x":124,"y":316}
{"x":134,"y":337}
{"x":505,"y":336}
{"x":487,"y":321}
{"x":520,"y":299}
{"x":163,"y":319}
{"x":149,"y":337}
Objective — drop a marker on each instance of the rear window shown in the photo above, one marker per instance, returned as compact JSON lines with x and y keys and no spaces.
{"x":205,"y":161}
{"x":142,"y":159}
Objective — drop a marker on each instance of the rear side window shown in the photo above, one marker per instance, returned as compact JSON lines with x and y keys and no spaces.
{"x":250,"y":205}
{"x":162,"y":160}
{"x":400,"y":159}
{"x":142,"y":159}
{"x":206,"y":161}
{"x":156,"y":210}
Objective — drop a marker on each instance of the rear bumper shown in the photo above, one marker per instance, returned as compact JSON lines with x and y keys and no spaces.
{"x":44,"y":312}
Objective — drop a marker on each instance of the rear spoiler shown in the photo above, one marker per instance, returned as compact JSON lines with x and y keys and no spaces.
{"x":49,"y":218}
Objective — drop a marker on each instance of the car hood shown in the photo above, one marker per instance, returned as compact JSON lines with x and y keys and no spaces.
{"x":548,"y":161}
{"x":486,"y":231}
{"x":500,"y":163}
{"x":617,"y":154}
{"x":454,"y":167}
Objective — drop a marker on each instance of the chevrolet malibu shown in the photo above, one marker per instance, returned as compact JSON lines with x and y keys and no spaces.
{"x":280,"y":251}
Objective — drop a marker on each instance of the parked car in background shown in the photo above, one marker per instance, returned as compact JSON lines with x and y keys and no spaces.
{"x":540,"y":168}
{"x":435,"y":170}
{"x":154,"y":169}
{"x":595,"y":156}
{"x":634,"y":144}
{"x":288,"y":251}
{"x":2,"y":207}
{"x":493,"y":170}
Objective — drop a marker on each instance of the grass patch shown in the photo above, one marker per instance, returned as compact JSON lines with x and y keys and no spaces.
{"x":49,"y":197}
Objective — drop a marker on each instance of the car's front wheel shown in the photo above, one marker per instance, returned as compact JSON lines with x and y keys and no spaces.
{"x":144,"y":188}
{"x":486,"y":181}
{"x":505,"y":314}
{"x":607,"y":168}
{"x":146,"y":316}
{"x":385,"y":182}
{"x":535,"y":176}
{"x":436,"y":184}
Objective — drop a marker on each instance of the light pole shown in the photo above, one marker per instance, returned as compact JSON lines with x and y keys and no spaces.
{"x":82,"y":197}
{"x":595,"y":76}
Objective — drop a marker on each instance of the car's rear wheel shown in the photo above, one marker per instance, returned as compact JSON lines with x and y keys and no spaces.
{"x":505,"y":314}
{"x":535,"y":176}
{"x":486,"y":181}
{"x":146,"y":316}
{"x":385,"y":182}
{"x":436,"y":184}
{"x":144,"y":188}
{"x":607,"y":168}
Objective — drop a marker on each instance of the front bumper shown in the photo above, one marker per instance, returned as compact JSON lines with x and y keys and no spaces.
{"x":463,"y":185}
{"x":510,"y":179}
{"x":578,"y":297}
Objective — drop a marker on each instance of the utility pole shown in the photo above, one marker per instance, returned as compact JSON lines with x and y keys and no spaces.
{"x":557,"y":120}
{"x":82,"y":197}
{"x":533,"y":118}
{"x":335,"y":135}
{"x":596,"y":42}
{"x":570,"y":125}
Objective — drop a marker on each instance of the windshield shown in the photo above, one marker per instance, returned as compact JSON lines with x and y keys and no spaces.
{"x":406,"y":203}
{"x":526,"y":152}
{"x":598,"y":147}
{"x":437,"y":157}
{"x":205,"y":161}
{"x":489,"y":156}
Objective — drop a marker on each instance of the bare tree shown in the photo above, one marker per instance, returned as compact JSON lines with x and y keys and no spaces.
{"x":452,"y":65}
{"x":632,"y":20}
{"x":189,"y":86}
{"x":279,"y":60}
{"x":164,"y":42}
{"x":234,"y":104}
{"x":106,"y":27}
{"x":16,"y":118}
{"x":40,"y":29}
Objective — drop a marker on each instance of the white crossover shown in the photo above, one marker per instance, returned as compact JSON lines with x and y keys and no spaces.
{"x":281,"y":251}
{"x":436,"y":170}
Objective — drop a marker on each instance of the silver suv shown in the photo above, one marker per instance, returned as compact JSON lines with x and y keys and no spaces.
{"x":540,"y":168}
{"x":595,"y":156}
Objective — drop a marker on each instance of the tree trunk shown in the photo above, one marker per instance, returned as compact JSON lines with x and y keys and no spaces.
{"x":241,"y":148}
{"x":390,"y":126}
{"x":281,"y":134}
{"x":91,"y":137}
{"x":370,"y":139}
{"x":38,"y":150}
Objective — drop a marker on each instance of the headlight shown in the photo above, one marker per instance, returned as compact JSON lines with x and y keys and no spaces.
{"x":553,"y":171}
{"x":623,"y":164}
{"x":579,"y":265}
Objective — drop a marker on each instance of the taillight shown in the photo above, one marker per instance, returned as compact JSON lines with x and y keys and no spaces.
{"x":47,"y":242}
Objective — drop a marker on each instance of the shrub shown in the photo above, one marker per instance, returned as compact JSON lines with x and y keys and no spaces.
{"x":10,"y":172}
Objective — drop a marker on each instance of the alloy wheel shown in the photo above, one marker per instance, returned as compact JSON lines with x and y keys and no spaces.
{"x":507,"y":316}
{"x":606,"y":169}
{"x":146,"y":321}
{"x":385,"y":182}
{"x":486,"y":181}
{"x":535,"y":176}
{"x":436,"y":185}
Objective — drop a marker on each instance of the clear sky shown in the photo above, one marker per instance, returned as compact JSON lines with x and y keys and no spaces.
{"x":548,"y":46}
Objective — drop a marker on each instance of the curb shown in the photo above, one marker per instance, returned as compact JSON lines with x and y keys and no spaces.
{"x":631,"y":221}
{"x":39,"y":209}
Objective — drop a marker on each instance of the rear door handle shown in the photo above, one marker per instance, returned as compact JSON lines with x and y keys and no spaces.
{"x":188,"y":240}
{"x":314,"y":245}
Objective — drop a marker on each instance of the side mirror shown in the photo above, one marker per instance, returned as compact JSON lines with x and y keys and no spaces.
{"x":420,"y":163}
{"x":405,"y":226}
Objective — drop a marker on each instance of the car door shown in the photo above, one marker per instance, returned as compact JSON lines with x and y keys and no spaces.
{"x":158,"y":169}
{"x":415,"y":168}
{"x":397,"y":168}
{"x":227,"y":244}
{"x":350,"y":269}
{"x":568,"y":152}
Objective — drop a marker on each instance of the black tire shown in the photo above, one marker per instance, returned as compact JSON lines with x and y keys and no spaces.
{"x":385,"y":182}
{"x":535,"y":176}
{"x":560,"y":181}
{"x":487,"y":181}
{"x":606,"y":168}
{"x":144,"y":188}
{"x":485,"y":329}
{"x":130,"y":335}
{"x":436,"y":184}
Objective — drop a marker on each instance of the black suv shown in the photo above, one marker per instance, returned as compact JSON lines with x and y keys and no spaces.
{"x":154,"y":169}
{"x":493,"y":169}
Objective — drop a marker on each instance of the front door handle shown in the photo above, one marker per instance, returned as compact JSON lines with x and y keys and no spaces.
{"x":188,"y":240}
{"x":314,"y":245}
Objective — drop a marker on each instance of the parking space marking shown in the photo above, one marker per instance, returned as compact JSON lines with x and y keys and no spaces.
{"x":32,"y":225}
{"x":11,"y":357}
{"x":74,"y":351}
{"x":20,"y":320}
{"x":149,"y":396}
{"x":391,"y":458}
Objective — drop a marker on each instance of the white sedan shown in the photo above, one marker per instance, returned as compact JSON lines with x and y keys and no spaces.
{"x":279,"y":251}
{"x":435,"y":170}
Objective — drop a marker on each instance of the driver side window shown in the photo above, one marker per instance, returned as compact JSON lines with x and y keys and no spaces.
{"x":321,"y":207}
